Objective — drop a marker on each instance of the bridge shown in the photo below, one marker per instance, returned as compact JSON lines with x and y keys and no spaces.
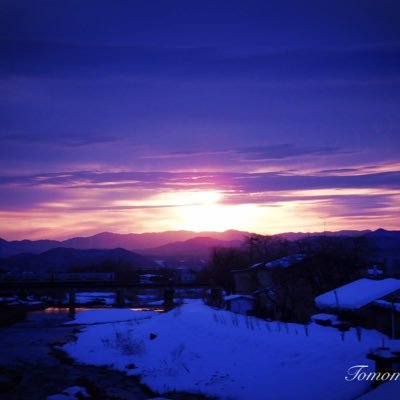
{"x":88,"y":284}
{"x":120,"y":288}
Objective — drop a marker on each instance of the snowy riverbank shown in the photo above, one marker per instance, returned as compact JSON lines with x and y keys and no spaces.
{"x":198,"y":349}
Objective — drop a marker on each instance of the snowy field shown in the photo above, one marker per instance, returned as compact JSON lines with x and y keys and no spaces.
{"x":198,"y":349}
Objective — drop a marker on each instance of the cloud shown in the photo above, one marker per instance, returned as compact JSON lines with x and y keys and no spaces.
{"x":188,"y":154}
{"x":120,"y":201}
{"x":279,"y":182}
{"x":84,"y":139}
{"x":339,"y":171}
{"x":285,"y":151}
{"x":235,"y":182}
{"x":259,"y":153}
{"x":63,"y":59}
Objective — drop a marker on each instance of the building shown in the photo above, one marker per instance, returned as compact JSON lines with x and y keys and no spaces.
{"x":277,"y":288}
{"x":185,"y":275}
{"x":240,"y":303}
{"x":371,"y":303}
{"x":259,"y":276}
{"x":384,"y":267}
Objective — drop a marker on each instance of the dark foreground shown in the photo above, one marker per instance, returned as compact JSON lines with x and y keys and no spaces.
{"x":30,"y":368}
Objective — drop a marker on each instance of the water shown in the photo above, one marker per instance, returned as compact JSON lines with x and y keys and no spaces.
{"x":31,"y":369}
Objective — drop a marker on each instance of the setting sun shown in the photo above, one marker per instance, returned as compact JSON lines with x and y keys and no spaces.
{"x":215,"y":217}
{"x":204,"y":211}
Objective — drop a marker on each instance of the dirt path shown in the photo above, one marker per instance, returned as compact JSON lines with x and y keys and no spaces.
{"x":31,"y":370}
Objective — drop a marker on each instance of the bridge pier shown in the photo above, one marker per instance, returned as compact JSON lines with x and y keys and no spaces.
{"x":168,"y":299}
{"x":119,"y":298}
{"x":23,"y":294}
{"x":71,"y":303}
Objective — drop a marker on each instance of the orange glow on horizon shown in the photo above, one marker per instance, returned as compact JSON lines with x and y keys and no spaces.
{"x":195,"y":210}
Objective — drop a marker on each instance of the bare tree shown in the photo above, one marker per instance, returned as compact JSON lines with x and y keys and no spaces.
{"x":263,"y":248}
{"x":223,"y":261}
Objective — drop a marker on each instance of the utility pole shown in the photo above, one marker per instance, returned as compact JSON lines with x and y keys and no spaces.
{"x":393,"y":321}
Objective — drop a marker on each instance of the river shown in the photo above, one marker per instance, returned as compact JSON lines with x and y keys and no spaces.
{"x":31,"y":369}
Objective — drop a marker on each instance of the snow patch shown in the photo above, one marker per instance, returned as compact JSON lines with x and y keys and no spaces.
{"x":70,"y":393}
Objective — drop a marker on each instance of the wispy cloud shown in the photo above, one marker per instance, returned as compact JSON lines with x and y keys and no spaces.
{"x":286,"y":151}
{"x":92,"y":60}
{"x":91,"y":200}
{"x":234,"y":183}
{"x":259,"y":153}
{"x":66,"y":140}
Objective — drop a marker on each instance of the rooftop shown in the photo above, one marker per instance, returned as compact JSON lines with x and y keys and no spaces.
{"x":357,"y":294}
{"x":283,"y":262}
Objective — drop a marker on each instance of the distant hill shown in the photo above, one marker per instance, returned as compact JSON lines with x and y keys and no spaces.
{"x":199,"y":246}
{"x":135,"y":241}
{"x":26,"y":246}
{"x":292,"y":236}
{"x":108,"y":240}
{"x":62,"y":259}
{"x":385,"y":242}
{"x":178,"y":243}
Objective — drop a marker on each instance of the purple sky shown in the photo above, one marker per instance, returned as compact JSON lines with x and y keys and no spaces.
{"x":133,"y":116}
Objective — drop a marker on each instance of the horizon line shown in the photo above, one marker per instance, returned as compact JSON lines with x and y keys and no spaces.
{"x":199,"y":232}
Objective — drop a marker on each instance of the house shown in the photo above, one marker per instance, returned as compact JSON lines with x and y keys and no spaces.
{"x":185,"y":275}
{"x":384,"y":267}
{"x":276,"y":287}
{"x":240,"y":303}
{"x":371,"y":303}
{"x":259,"y":276}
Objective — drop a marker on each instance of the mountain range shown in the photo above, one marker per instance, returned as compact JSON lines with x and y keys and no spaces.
{"x":138,"y":242}
{"x":178,"y":243}
{"x":61,"y":259}
{"x":196,"y":247}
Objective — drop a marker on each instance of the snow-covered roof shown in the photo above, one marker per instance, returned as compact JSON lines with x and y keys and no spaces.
{"x":238,"y":296}
{"x":284,"y":262}
{"x":256,"y":265}
{"x":357,"y":294}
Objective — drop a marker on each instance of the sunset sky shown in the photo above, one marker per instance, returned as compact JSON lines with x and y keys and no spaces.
{"x":136,"y":116}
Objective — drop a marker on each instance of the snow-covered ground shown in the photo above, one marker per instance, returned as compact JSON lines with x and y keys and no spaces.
{"x":198,"y":349}
{"x":70,"y":393}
